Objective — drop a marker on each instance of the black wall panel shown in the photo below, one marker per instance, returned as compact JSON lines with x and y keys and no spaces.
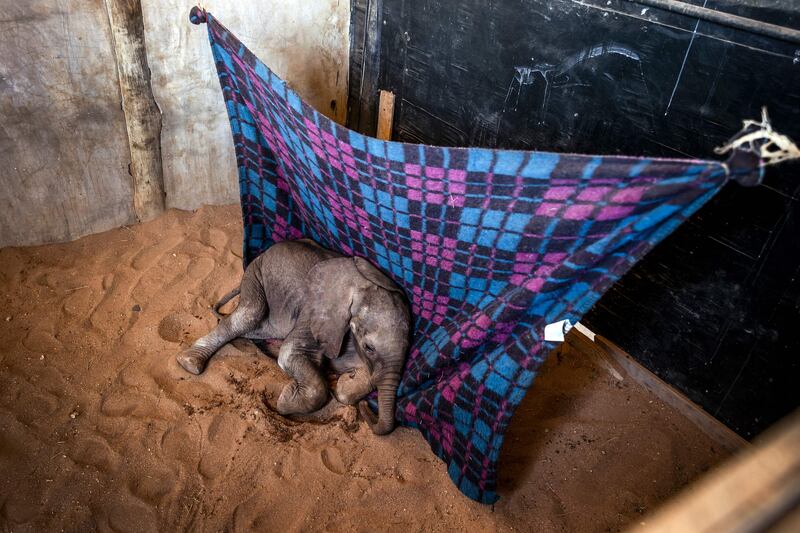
{"x":713,"y":309}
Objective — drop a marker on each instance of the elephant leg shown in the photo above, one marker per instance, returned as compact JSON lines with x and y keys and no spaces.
{"x":247,"y":316}
{"x":308,"y":390}
{"x":354,"y":385}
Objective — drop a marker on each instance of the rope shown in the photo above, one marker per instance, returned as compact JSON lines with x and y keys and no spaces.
{"x":759,"y":138}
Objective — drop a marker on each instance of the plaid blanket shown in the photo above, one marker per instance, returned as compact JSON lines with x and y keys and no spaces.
{"x":489,"y":245}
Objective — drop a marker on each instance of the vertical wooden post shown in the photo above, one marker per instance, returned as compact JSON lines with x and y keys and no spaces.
{"x":385,"y":116}
{"x":142,"y":115}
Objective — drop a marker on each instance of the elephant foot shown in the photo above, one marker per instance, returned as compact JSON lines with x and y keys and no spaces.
{"x":296,"y":399}
{"x":192,"y":360}
{"x":352,"y":387}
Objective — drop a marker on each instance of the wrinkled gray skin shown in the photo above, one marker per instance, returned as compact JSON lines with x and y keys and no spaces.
{"x":322,"y":305}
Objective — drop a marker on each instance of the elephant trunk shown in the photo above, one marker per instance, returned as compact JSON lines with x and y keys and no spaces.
{"x":387,"y":399}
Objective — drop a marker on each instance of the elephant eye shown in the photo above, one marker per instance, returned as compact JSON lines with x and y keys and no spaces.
{"x":369,"y":348}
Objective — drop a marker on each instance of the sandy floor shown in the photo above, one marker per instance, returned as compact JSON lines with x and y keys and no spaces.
{"x":100,"y":429}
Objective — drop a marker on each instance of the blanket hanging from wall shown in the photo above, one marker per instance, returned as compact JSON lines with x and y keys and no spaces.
{"x":489,"y":245}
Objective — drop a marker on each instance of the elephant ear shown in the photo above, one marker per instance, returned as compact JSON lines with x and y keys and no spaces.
{"x":372,"y":274}
{"x":329,"y":297}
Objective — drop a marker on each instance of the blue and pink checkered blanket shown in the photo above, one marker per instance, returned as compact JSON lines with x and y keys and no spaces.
{"x":489,"y":245}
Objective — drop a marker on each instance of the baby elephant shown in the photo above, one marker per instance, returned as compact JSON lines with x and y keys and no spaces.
{"x":321,"y":304}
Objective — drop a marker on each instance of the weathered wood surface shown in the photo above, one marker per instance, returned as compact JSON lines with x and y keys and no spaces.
{"x":67,"y":167}
{"x":306,"y":43}
{"x":63,"y":146}
{"x":365,"y":50}
{"x":385,"y":115}
{"x":142,"y":115}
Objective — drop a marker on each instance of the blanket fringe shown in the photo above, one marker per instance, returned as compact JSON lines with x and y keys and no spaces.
{"x":760,"y":139}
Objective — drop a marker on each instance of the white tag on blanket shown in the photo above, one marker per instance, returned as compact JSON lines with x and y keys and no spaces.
{"x":555,"y":332}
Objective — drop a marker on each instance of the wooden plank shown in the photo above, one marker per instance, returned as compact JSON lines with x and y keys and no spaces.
{"x":63,"y":148}
{"x":759,"y":490}
{"x":612,"y":355}
{"x":365,"y":53}
{"x":385,"y":115}
{"x":198,"y":160}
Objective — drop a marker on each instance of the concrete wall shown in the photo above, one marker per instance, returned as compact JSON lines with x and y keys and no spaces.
{"x":63,"y":146}
{"x":64,"y":150}
{"x":305,"y":42}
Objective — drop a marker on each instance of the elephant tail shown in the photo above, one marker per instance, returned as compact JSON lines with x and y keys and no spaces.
{"x":222,"y":301}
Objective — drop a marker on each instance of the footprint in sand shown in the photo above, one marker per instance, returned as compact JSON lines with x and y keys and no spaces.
{"x":15,"y":439}
{"x":164,"y":278}
{"x":138,"y":379}
{"x":124,"y":402}
{"x":40,"y":405}
{"x":199,"y":268}
{"x":47,"y":279}
{"x":42,"y":342}
{"x":79,"y":302}
{"x":153,"y":485}
{"x":333,"y":461}
{"x":250,"y":515}
{"x":180,"y":443}
{"x":51,"y":379}
{"x":170,"y":328}
{"x":218,"y":447}
{"x":145,"y":258}
{"x":151,"y":254}
{"x":109,"y":318}
{"x":94,"y":451}
{"x":22,"y":505}
{"x":124,"y":517}
{"x":214,"y":238}
{"x":181,"y":327}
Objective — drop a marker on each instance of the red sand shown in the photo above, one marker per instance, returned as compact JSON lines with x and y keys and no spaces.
{"x":100,"y":429}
